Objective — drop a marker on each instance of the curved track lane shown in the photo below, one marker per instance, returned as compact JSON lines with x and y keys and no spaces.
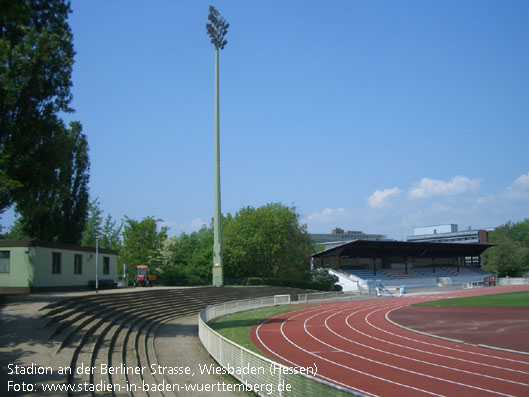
{"x":352,"y":344}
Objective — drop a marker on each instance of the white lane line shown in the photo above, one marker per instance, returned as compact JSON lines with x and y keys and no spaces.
{"x":488,"y":356}
{"x":402,"y":369}
{"x":435,"y":345}
{"x":346,"y":320}
{"x":342,"y":365}
{"x":297,"y":365}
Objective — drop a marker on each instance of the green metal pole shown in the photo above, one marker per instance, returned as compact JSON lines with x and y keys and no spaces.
{"x":218,"y":279}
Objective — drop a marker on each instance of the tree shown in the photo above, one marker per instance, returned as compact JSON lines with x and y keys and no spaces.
{"x":93,"y":225}
{"x":96,"y":227}
{"x":73,"y":181}
{"x":163,"y":263}
{"x":141,"y":240}
{"x":520,"y":231}
{"x":267,"y":242}
{"x":186,"y":259}
{"x":263,"y":242}
{"x":111,"y":234}
{"x":7,"y":185}
{"x":510,"y":256}
{"x":36,"y":59}
{"x":57,"y":211}
{"x":16,"y":231}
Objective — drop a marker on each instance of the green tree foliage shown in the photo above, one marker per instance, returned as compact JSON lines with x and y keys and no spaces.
{"x":141,"y":240}
{"x":72,"y":196}
{"x":43,"y":164}
{"x":16,"y":231}
{"x":57,"y":211}
{"x":7,"y":185}
{"x":164,"y":265}
{"x":94,"y":220}
{"x":36,"y":54}
{"x":510,"y":257}
{"x":186,"y":259}
{"x":95,"y":226}
{"x":267,"y":242}
{"x":520,"y":231}
{"x":322,"y":276}
{"x":258,"y":242}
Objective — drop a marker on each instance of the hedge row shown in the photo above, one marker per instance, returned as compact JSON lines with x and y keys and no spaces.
{"x":277,"y":282}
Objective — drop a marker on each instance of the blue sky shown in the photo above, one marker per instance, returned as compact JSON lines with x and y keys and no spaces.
{"x":367,"y":115}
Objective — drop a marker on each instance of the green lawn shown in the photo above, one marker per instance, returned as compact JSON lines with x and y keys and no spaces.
{"x":509,"y":299}
{"x":236,"y":327}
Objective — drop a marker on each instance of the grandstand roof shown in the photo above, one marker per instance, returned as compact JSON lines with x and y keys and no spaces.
{"x":378,"y":249}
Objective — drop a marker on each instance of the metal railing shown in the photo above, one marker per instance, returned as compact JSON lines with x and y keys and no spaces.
{"x":320,"y":297}
{"x":513,"y":280}
{"x":256,"y":373}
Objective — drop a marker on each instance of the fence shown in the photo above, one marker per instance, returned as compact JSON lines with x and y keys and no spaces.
{"x":320,"y":297}
{"x":257,"y":373}
{"x":513,"y":280}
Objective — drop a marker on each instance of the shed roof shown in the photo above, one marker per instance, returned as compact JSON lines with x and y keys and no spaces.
{"x":61,"y":246}
{"x":379,"y":249}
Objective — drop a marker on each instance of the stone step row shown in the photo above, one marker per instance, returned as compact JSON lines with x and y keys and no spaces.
{"x":118,"y":330}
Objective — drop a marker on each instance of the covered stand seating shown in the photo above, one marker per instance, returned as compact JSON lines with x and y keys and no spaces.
{"x":387,"y":259}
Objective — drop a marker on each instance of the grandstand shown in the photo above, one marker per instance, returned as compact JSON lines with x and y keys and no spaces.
{"x":395,"y":263}
{"x":367,"y":274}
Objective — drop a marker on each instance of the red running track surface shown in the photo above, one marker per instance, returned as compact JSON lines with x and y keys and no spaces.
{"x":353,"y":345}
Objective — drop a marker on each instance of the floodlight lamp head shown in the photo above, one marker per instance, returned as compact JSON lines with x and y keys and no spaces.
{"x":217,"y":29}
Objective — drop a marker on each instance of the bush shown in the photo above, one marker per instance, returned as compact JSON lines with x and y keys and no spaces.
{"x":254,"y":281}
{"x":321,"y":275}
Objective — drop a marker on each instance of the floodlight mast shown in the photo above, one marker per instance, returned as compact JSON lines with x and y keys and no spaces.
{"x":217,"y":29}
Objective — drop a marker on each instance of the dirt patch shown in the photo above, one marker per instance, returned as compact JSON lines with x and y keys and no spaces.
{"x":503,"y":327}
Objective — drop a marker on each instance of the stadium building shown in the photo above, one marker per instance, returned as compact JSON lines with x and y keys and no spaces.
{"x":339,"y":236}
{"x":403,"y":263}
{"x":449,"y":233}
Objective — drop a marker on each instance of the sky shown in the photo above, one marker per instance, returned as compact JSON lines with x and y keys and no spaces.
{"x":375,"y":116}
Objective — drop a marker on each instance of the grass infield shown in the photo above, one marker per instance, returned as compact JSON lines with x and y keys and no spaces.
{"x":236,"y":327}
{"x":508,"y":299}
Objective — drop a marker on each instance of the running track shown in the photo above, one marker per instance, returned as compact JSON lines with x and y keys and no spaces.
{"x":353,"y":345}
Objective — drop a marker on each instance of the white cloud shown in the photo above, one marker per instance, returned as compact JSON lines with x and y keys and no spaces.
{"x":519,"y":189}
{"x":522,"y":182}
{"x":439,"y":207}
{"x":196,"y":224}
{"x":324,"y":215}
{"x":176,"y":228}
{"x":168,"y":224}
{"x":380,"y":197}
{"x":433,"y":187}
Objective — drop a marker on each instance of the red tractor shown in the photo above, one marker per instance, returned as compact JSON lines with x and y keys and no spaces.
{"x":143,"y":277}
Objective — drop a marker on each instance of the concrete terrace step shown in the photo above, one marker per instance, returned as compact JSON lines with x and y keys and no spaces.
{"x":119,"y":328}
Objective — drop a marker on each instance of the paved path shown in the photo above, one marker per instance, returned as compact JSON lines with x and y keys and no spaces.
{"x":23,"y":342}
{"x":177,"y":345}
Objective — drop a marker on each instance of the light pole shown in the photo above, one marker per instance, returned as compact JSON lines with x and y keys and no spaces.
{"x":217,"y":29}
{"x":98,"y":237}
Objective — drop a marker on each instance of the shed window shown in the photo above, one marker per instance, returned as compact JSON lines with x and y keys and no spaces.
{"x":4,"y":261}
{"x":106,"y":265}
{"x":56,"y":263}
{"x":78,"y":264}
